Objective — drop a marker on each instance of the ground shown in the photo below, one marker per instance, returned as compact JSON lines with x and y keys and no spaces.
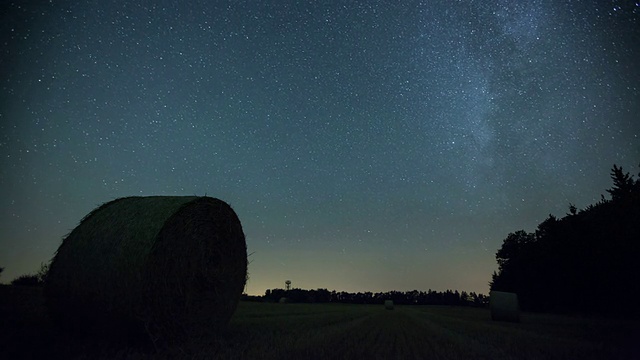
{"x":332,"y":331}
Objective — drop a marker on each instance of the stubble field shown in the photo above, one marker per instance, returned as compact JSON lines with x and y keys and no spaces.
{"x":333,"y":331}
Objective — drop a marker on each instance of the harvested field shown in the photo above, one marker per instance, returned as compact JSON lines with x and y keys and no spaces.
{"x":336,"y":331}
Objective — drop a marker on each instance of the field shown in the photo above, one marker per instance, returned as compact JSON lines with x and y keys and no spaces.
{"x":333,"y":331}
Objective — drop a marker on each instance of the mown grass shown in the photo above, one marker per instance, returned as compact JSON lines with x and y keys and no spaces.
{"x":335,"y":331}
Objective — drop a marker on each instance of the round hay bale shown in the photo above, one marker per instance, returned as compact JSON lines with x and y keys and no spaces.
{"x":161,"y":265}
{"x":388,"y":304}
{"x":504,"y":306}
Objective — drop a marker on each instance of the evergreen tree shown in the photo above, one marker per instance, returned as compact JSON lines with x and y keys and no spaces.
{"x":580,"y":262}
{"x":623,"y":183}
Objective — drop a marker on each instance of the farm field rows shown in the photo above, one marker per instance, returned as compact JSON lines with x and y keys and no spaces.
{"x":335,"y":331}
{"x":423,"y":332}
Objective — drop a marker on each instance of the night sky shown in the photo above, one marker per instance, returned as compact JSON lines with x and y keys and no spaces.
{"x":366,"y":146}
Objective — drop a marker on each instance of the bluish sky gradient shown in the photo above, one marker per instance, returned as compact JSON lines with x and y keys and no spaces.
{"x":366,"y":146}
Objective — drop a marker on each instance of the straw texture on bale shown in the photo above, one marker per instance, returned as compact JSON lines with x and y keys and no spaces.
{"x":504,"y":306}
{"x":161,"y":265}
{"x":388,"y":304}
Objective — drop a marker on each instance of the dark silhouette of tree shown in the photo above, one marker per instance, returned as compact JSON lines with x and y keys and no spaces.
{"x":43,"y":272}
{"x":1,"y":270}
{"x":572,"y":209}
{"x":586,"y":261}
{"x":413,"y":297}
{"x":36,"y":279}
{"x":623,"y":184}
{"x":26,"y":280}
{"x":513,"y":247}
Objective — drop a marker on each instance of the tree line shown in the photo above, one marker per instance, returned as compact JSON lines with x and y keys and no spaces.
{"x":413,"y":297}
{"x":587,"y":261}
{"x":36,"y":279}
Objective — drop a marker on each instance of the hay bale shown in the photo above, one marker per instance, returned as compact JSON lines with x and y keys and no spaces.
{"x":283,"y":300}
{"x":504,"y":306}
{"x":161,"y":265}
{"x":388,"y":304}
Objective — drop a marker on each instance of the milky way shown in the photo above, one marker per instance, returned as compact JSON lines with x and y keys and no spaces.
{"x":364,"y":145}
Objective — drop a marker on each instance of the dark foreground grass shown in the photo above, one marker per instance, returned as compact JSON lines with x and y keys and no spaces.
{"x":333,"y":331}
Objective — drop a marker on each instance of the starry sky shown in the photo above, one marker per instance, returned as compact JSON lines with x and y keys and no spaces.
{"x":365,"y":145}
